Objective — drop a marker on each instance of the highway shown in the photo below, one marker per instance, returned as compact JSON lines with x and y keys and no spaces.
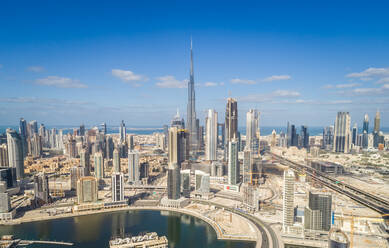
{"x":367,"y":199}
{"x":269,"y":237}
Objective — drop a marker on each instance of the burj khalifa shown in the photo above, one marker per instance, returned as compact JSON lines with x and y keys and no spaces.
{"x":192,"y":123}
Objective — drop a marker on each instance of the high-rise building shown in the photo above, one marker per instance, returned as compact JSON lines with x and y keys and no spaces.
{"x":328,"y":138}
{"x":211,"y":135}
{"x":178,"y":145}
{"x":366,"y":124}
{"x":15,"y":152}
{"x":122,"y":132}
{"x":342,"y":132}
{"x":252,"y":130}
{"x":191,"y":122}
{"x":5,"y":202}
{"x":202,"y":181}
{"x":3,"y":155}
{"x":233,"y":162}
{"x":377,"y":120}
{"x":185,"y":182}
{"x":177,"y":121}
{"x":8,"y":176}
{"x":76,"y":172}
{"x":273,"y":141}
{"x":231,"y":124}
{"x":173,"y":181}
{"x":32,"y":128}
{"x":247,"y":165}
{"x":84,"y":161}
{"x":87,"y":190}
{"x":288,"y":200}
{"x":109,"y":146}
{"x":304,"y":137}
{"x":41,"y":189}
{"x":23,"y":135}
{"x":82,"y":130}
{"x":133,"y":167}
{"x":99,"y":166}
{"x":317,"y":215}
{"x":103,"y":127}
{"x":117,"y":185}
{"x":131,"y":144}
{"x":283,"y":140}
{"x":116,"y":161}
{"x":354,"y":135}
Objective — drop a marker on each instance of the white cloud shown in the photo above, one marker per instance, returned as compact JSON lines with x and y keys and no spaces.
{"x":213,"y":84}
{"x":276,"y":78}
{"x":367,"y":90}
{"x":242,"y":81}
{"x":35,"y":68}
{"x":341,"y":86}
{"x":286,"y":93}
{"x":128,"y":76}
{"x":383,"y":80}
{"x":370,"y":72}
{"x":210,"y":84}
{"x":340,"y":102}
{"x":171,"y":82}
{"x":60,"y":82}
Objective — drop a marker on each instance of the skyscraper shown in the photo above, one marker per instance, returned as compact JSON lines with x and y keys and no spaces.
{"x":304,"y":137}
{"x":288,"y":199}
{"x":233,"y":162}
{"x":342,"y":132}
{"x":211,"y":135}
{"x":76,"y":172}
{"x":328,"y":138}
{"x":377,"y":120}
{"x":354,"y":134}
{"x":133,"y":166}
{"x":317,"y":216}
{"x":178,"y":145}
{"x":85,"y":161}
{"x":122,"y":132}
{"x":117,"y":187}
{"x":177,"y":121}
{"x":87,"y":190}
{"x":252,"y":130}
{"x":173,"y":181}
{"x":191,"y":124}
{"x":366,"y":124}
{"x":109,"y":147}
{"x":23,"y":135}
{"x":41,"y":188}
{"x":15,"y":152}
{"x":99,"y":166}
{"x":103,"y":128}
{"x":247,"y":166}
{"x":231,"y":124}
{"x":116,"y":160}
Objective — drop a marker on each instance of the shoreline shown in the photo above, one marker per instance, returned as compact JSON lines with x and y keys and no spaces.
{"x":215,"y":226}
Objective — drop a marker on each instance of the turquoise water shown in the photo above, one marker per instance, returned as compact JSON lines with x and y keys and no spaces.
{"x":95,"y":231}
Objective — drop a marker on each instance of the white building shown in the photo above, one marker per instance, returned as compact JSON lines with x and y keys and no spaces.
{"x":117,"y":187}
{"x":211,"y":135}
{"x":288,"y":200}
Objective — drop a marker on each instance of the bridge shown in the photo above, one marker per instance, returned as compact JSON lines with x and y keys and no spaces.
{"x":8,"y":243}
{"x":365,"y":198}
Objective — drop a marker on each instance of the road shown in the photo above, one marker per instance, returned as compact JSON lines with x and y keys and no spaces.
{"x":369,"y":200}
{"x":269,"y":237}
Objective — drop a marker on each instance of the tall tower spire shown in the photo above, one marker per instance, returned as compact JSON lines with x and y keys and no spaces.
{"x":192,"y":125}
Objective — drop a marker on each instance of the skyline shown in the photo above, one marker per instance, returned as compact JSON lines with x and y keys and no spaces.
{"x":135,"y":66}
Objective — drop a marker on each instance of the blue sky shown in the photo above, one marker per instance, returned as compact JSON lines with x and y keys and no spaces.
{"x":71,"y":62}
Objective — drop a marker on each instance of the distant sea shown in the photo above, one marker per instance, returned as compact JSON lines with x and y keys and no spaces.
{"x":266,"y":130}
